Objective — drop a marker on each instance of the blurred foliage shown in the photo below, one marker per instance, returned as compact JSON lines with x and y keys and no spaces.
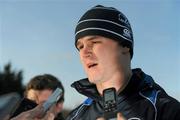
{"x":11,"y":81}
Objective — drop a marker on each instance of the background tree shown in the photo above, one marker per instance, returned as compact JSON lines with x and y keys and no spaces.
{"x":11,"y":81}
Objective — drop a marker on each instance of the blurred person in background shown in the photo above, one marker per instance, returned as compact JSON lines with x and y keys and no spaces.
{"x":39,"y":89}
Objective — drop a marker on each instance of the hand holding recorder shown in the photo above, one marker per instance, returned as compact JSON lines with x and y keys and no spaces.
{"x":44,"y":111}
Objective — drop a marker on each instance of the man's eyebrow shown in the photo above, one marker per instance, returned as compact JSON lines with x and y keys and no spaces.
{"x":88,"y":39}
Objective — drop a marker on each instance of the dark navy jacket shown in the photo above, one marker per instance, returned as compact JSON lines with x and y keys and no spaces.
{"x":142,"y":99}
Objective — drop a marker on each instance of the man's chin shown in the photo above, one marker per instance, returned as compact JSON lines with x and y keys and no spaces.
{"x":94,"y":81}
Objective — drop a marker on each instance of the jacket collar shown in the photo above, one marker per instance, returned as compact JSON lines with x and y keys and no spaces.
{"x":138,"y":82}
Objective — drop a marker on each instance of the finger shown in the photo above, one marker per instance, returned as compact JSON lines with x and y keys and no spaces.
{"x":49,"y":116}
{"x":53,"y":109}
{"x":120,"y":116}
{"x":101,"y":118}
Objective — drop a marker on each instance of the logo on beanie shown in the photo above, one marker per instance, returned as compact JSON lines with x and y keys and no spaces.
{"x":127,"y":33}
{"x":123,"y":19}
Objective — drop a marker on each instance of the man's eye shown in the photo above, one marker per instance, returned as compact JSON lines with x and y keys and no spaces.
{"x":80,"y":47}
{"x":96,"y":42}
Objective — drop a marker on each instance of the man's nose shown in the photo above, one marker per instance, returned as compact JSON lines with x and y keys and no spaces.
{"x":87,"y":51}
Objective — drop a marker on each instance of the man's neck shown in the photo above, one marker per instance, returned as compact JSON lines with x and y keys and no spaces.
{"x":119,"y":81}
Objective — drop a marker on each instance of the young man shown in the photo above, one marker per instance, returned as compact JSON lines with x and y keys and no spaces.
{"x":104,"y":39}
{"x":40,"y":88}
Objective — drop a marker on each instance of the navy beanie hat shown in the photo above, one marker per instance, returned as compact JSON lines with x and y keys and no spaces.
{"x":107,"y":22}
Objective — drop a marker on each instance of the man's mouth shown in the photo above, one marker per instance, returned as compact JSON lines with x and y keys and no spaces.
{"x":92,"y":65}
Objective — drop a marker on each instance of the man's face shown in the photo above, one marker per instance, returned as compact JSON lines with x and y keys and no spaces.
{"x":100,"y":56}
{"x":40,"y":96}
